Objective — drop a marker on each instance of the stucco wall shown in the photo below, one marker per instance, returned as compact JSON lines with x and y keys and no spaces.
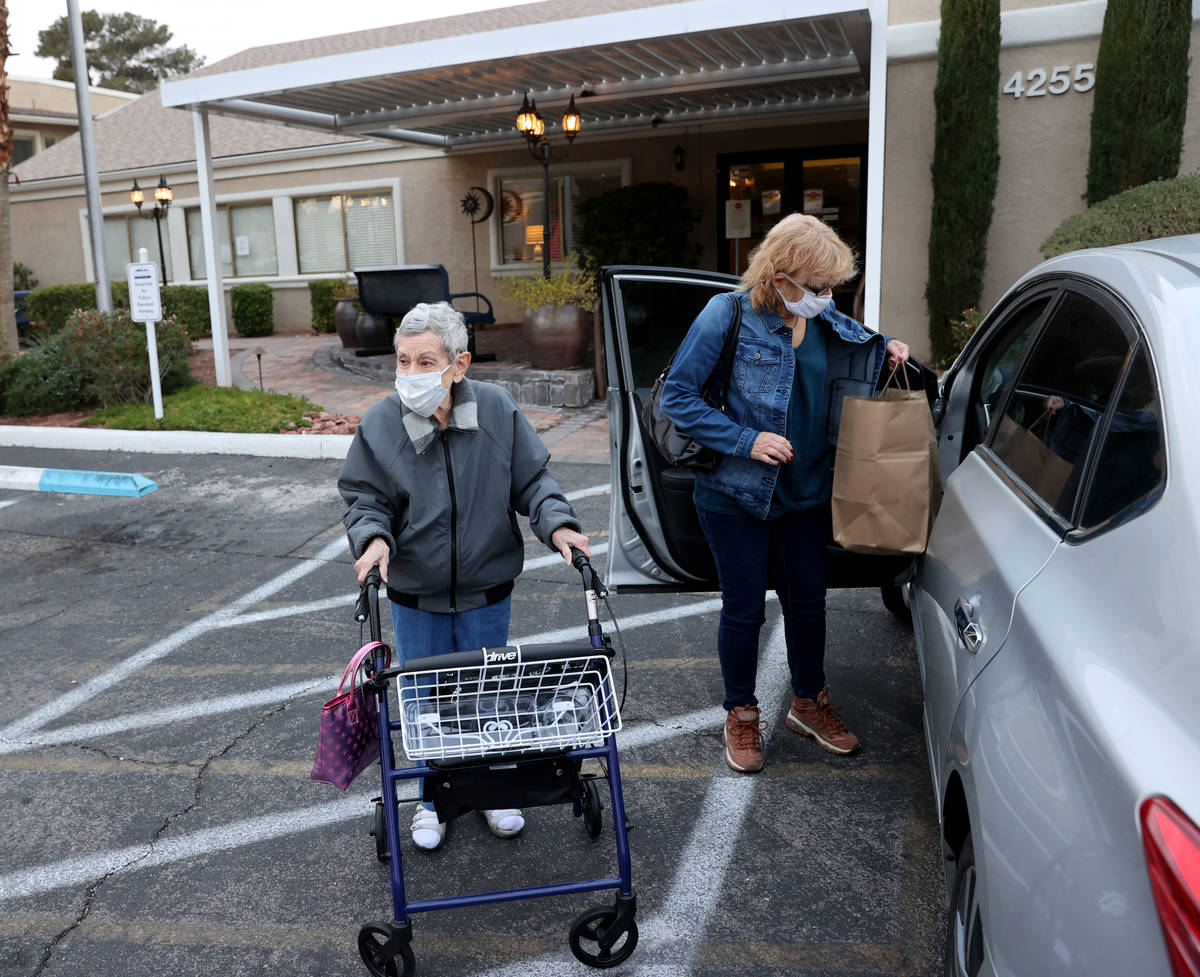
{"x":1044,"y":145}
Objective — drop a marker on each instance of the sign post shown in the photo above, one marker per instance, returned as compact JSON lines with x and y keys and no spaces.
{"x":145,"y":306}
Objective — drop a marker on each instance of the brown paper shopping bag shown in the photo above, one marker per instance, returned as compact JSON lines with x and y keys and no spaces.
{"x":887,"y":483}
{"x":1031,"y":458}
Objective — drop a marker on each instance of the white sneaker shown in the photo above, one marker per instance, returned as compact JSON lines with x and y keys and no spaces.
{"x":427,"y":831}
{"x":507,"y":822}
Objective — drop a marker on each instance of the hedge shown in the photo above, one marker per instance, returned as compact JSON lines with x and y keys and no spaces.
{"x":320,"y":295}
{"x":1141,"y":94}
{"x":96,"y":358}
{"x":641,"y":224}
{"x":50,"y":307}
{"x":253,"y":305}
{"x":966,"y":161}
{"x":1160,"y":209}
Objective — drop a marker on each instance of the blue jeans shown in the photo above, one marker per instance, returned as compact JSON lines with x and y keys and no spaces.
{"x":787,"y":554}
{"x":419,"y":633}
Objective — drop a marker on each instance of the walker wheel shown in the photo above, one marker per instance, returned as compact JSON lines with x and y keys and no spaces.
{"x":594,"y":944}
{"x":371,"y":938}
{"x":380,"y":833}
{"x":589,"y":801}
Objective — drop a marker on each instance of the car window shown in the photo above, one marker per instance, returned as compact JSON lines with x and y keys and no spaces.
{"x":1130,"y":464}
{"x":1063,"y":389}
{"x":657,"y":315}
{"x":997,"y":366}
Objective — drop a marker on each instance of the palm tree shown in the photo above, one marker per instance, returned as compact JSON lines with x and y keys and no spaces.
{"x":8,"y":316}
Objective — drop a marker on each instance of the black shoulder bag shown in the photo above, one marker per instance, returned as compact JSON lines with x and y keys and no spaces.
{"x":679,"y":448}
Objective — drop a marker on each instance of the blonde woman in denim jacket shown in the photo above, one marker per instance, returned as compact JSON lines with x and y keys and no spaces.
{"x":765,"y":508}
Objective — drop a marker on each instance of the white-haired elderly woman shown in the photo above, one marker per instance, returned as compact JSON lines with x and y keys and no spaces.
{"x":432,"y":481}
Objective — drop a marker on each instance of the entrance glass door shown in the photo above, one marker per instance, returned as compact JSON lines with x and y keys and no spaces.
{"x":759,"y":189}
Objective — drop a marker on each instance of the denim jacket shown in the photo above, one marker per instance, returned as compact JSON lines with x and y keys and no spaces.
{"x":760,"y":386}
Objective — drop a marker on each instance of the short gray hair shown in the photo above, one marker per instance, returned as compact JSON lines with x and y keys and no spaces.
{"x":440,"y":318}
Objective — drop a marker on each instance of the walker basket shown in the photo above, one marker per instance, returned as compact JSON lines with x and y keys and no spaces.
{"x":506,"y":701}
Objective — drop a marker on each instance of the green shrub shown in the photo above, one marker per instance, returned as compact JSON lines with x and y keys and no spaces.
{"x":1160,"y":209}
{"x":320,"y":296}
{"x":966,"y":160}
{"x":566,"y":287}
{"x":23,"y":278}
{"x":109,"y":349}
{"x":189,"y":304}
{"x":1140,"y":99}
{"x":642,"y":224}
{"x":961,"y":330}
{"x":252,"y":309}
{"x":50,"y":307}
{"x":40,"y":381}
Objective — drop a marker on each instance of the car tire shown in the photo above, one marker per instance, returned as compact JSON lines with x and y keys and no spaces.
{"x":893,"y":600}
{"x":966,"y":948}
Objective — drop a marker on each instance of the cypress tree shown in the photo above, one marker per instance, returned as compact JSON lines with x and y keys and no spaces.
{"x":966,"y":159}
{"x":1141,"y":93}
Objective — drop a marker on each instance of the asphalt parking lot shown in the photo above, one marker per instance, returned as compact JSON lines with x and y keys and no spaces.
{"x":164,"y":663}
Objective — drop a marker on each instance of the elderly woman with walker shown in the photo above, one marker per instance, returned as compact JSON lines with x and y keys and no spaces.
{"x":433,"y":481}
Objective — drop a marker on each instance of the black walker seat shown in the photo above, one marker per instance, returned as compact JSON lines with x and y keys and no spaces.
{"x":392,"y":291}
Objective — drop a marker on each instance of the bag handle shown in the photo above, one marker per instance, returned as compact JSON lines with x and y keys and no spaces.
{"x":892,"y":376}
{"x":357,"y":660}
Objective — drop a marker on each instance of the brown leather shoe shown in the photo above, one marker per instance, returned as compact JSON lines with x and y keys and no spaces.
{"x":820,"y":720}
{"x":743,"y":739}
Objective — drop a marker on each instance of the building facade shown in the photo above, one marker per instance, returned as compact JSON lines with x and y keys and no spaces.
{"x":828,"y":111}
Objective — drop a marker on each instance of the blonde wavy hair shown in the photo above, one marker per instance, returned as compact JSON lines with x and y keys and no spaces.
{"x":802,"y":248}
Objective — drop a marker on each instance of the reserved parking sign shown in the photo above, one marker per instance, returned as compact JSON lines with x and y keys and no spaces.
{"x":145,"y":303}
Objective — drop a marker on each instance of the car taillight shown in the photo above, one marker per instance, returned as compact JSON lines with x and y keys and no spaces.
{"x":1172,"y":844}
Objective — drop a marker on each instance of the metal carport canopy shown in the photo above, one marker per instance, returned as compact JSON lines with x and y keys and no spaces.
{"x":697,"y":62}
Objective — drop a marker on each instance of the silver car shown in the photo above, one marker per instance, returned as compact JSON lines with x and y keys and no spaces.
{"x":1061,"y":678}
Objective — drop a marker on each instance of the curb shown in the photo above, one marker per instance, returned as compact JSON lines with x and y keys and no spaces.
{"x":79,"y":482}
{"x":178,"y":442}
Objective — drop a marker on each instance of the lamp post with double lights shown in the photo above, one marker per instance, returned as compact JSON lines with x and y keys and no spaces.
{"x":163,"y":195}
{"x":533,"y":127}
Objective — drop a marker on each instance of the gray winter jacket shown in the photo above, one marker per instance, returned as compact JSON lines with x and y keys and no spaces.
{"x":445,"y":501}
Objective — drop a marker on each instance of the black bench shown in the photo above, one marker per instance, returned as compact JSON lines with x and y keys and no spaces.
{"x":391,"y":292}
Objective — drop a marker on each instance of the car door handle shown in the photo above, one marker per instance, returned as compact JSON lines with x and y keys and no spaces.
{"x":969,"y":632}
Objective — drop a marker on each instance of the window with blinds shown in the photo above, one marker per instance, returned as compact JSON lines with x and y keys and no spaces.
{"x":122,"y":238}
{"x":521,"y":205}
{"x":345,"y":231}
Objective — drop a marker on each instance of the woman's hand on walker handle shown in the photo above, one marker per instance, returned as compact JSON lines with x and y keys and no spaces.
{"x":897,"y":352}
{"x":564,"y":537}
{"x":376,"y":554}
{"x":772,"y":449}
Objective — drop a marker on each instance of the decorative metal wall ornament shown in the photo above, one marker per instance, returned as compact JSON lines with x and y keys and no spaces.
{"x":471,"y":205}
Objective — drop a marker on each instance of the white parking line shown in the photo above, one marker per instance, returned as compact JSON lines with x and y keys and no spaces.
{"x":74,"y":871}
{"x":584,"y":493}
{"x":105,"y":680}
{"x":8,"y":502}
{"x":281,"y":693}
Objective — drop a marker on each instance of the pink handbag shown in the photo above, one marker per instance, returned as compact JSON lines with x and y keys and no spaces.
{"x":348,"y":740}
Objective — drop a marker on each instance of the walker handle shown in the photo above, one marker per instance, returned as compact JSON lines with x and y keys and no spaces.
{"x":367,"y":607}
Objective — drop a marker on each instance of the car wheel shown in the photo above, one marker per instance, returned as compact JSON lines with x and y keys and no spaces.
{"x":966,"y":949}
{"x":893,"y":600}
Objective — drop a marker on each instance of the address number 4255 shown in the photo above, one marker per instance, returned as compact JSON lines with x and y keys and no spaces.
{"x":1057,"y":81}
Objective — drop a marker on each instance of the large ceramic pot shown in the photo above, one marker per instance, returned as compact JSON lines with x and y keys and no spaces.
{"x":556,"y":337}
{"x":345,"y":318}
{"x":374,"y":331}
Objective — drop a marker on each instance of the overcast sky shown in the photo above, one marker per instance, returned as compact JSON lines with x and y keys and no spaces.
{"x":219,"y":28}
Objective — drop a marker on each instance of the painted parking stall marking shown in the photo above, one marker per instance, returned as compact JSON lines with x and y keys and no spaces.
{"x":124,"y":484}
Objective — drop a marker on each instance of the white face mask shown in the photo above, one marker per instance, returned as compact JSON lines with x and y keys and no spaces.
{"x":423,"y":393}
{"x":808,"y":305}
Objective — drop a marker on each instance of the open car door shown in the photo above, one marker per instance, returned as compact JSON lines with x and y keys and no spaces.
{"x":655,"y":539}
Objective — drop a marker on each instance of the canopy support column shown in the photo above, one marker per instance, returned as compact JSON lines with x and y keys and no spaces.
{"x":212,"y":247}
{"x":876,"y":112}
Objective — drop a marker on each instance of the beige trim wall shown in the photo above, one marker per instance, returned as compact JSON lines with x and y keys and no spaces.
{"x":1044,"y":144}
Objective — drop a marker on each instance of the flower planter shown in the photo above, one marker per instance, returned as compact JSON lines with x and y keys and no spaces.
{"x":374,"y":331}
{"x":345,"y":318}
{"x":556,"y":337}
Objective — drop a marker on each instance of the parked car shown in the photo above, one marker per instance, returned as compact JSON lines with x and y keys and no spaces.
{"x":1061,"y":677}
{"x":1061,"y":674}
